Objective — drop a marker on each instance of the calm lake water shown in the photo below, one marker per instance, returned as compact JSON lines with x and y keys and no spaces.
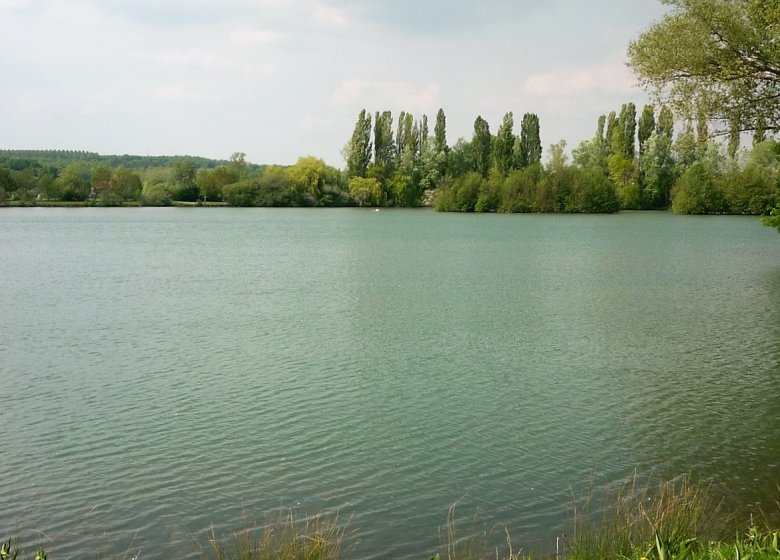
{"x":164,"y":371}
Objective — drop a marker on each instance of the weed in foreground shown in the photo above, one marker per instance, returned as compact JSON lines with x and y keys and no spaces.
{"x":313,"y":538}
{"x":673,"y":515}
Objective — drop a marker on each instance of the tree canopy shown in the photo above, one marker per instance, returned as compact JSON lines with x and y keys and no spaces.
{"x":719,"y":57}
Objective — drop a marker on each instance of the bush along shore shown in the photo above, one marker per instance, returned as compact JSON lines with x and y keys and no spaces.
{"x":672,"y":520}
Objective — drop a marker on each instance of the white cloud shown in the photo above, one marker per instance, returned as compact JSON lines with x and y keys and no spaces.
{"x":194,"y":58}
{"x":611,"y":78}
{"x":403,"y":96}
{"x":314,"y":123}
{"x":254,"y":36}
{"x":330,"y":16}
{"x":174,"y":92}
{"x":8,"y":5}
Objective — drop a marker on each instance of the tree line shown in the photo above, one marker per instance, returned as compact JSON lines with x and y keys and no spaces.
{"x":632,"y":162}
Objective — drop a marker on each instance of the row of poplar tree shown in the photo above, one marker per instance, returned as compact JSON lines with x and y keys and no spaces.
{"x":404,"y":166}
{"x":630,"y":163}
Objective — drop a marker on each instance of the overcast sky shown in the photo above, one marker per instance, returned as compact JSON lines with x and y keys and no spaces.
{"x":280,"y":79}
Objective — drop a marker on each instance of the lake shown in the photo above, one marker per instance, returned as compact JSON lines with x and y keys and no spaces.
{"x":166,"y":371}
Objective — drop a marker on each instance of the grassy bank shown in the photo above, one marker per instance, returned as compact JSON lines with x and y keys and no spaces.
{"x":671,"y":520}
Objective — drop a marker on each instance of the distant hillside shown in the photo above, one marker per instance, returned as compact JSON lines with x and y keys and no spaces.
{"x":59,"y":158}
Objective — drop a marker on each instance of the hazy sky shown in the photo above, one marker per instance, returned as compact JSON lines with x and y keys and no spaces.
{"x":279,"y":79}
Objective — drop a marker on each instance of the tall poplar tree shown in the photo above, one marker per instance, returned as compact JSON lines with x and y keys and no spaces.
{"x":481,"y":145}
{"x":384,"y":147}
{"x":530,"y":140}
{"x":440,"y":147}
{"x":665,"y":125}
{"x":612,"y":126}
{"x":646,"y":126}
{"x":623,"y":135}
{"x":357,"y":151}
{"x":503,"y":146}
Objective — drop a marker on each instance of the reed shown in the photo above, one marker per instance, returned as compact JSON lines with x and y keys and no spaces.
{"x":320,"y":537}
{"x":676,"y":513}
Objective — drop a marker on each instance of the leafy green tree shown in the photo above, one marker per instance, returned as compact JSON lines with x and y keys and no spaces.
{"x":530,"y":141}
{"x":503,"y":146}
{"x":755,"y":187}
{"x":275,"y":188}
{"x":657,"y":170}
{"x":440,"y":132}
{"x":719,"y":56}
{"x":624,"y":132}
{"x":685,"y":149}
{"x":612,"y":130}
{"x":384,"y":147}
{"x":157,"y":194}
{"x":210,"y":182}
{"x":242,"y":193}
{"x":74,"y":183}
{"x":440,"y":147}
{"x":357,"y":152}
{"x":461,"y":158}
{"x":624,"y":175}
{"x":773,"y":219}
{"x":646,"y":126}
{"x":310,"y":177}
{"x":518,"y":191}
{"x":126,"y":184}
{"x":665,"y":125}
{"x":481,"y":144}
{"x":185,"y":188}
{"x":6,"y":180}
{"x":238,"y":165}
{"x":696,"y":192}
{"x":596,"y":193}
{"x":366,"y":191}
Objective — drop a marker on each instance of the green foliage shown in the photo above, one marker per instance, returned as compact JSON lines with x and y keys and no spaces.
{"x":503,"y":146}
{"x":183,"y":178}
{"x":646,"y":521}
{"x":459,"y":195}
{"x":696,"y":192}
{"x":530,"y":147}
{"x":366,"y":191}
{"x":646,"y":127}
{"x":715,"y":56}
{"x":275,"y":188}
{"x":158,"y":194}
{"x":242,"y":193}
{"x":384,"y":146}
{"x":357,"y":152}
{"x":440,"y":148}
{"x":482,"y":143}
{"x":657,"y":171}
{"x":73,"y":183}
{"x":9,"y":551}
{"x":593,"y":193}
{"x":773,"y":219}
{"x":625,"y":176}
{"x":623,"y":132}
{"x":518,"y":191}
{"x":310,"y":177}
